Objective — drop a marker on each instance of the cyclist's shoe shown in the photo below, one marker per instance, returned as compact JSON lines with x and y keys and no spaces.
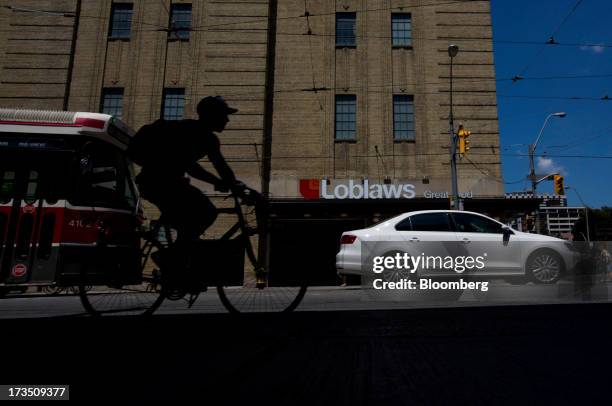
{"x":195,"y":284}
{"x":173,"y":284}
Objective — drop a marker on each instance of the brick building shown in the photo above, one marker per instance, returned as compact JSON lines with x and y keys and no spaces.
{"x":338,"y":100}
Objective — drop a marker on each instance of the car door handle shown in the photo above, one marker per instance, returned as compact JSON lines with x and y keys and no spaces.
{"x":414,"y":239}
{"x":466,"y":241}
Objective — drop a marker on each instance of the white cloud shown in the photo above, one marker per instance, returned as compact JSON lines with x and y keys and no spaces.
{"x":547,"y":165}
{"x":596,"y":49}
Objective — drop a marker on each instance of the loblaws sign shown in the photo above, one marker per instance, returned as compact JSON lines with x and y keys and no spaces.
{"x":312,"y":189}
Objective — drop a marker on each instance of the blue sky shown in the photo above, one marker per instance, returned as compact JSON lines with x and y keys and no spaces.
{"x":587,"y":128}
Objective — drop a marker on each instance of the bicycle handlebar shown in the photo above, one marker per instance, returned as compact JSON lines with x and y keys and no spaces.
{"x":249,"y":196}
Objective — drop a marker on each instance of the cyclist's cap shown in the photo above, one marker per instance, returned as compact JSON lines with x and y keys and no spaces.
{"x":214,"y":104}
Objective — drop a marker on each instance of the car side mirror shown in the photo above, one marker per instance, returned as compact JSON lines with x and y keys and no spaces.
{"x":507,"y":232}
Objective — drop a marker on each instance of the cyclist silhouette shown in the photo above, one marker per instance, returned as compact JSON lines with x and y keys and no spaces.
{"x":167,"y":151}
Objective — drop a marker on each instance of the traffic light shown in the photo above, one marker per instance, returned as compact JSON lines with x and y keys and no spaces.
{"x":463,"y":134}
{"x":559,"y":188}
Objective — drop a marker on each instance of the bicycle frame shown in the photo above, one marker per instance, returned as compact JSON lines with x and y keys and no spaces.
{"x":244,"y":232}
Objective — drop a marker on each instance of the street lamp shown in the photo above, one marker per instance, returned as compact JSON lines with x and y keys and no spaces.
{"x":532,"y":148}
{"x":455,"y":203}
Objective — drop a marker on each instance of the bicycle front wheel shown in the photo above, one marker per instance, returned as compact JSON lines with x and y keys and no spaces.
{"x":249,"y":298}
{"x":127,"y":300}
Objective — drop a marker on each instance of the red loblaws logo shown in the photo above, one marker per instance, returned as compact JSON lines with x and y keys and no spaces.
{"x":310,"y":189}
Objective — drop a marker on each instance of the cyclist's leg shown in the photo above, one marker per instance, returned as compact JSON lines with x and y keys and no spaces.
{"x":166,"y":196}
{"x":186,"y":209}
{"x":191,"y":213}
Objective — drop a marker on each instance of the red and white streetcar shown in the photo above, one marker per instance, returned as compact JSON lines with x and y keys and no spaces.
{"x":68,"y":200}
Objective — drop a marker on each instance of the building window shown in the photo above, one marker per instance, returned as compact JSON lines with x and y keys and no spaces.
{"x":346,"y":107}
{"x":403,"y":118}
{"x":180,"y":22}
{"x":345,"y":29}
{"x":112,"y":102}
{"x":121,"y":21}
{"x":174,"y":104}
{"x":401,"y":29}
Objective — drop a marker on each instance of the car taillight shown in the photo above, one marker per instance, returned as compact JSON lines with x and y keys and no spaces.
{"x":348,"y":239}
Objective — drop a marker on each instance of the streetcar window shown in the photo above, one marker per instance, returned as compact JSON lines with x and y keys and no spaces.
{"x":32,"y":187}
{"x":35,"y":173}
{"x":7,"y":186}
{"x":104,"y":177}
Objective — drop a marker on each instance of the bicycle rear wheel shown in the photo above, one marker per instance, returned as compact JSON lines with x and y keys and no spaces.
{"x":249,"y":298}
{"x":121,"y":299}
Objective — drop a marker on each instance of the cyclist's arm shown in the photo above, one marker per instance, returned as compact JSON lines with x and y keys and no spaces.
{"x":202,"y":174}
{"x":222,"y":168}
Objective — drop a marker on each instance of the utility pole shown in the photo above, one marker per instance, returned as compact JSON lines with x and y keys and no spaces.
{"x":455,"y":203}
{"x":532,"y":174}
{"x":266,"y":164}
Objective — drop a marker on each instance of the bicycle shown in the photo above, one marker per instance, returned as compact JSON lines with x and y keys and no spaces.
{"x":253,"y":291}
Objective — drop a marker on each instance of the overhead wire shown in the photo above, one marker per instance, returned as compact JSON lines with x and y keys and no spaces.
{"x":353,"y":10}
{"x":551,"y":40}
{"x":305,"y":91}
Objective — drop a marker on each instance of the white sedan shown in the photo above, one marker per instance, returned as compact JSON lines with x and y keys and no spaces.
{"x":433,"y":239}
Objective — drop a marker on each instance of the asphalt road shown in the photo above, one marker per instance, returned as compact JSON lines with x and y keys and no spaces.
{"x":338,"y":299}
{"x":344,"y":346}
{"x":468,"y":355}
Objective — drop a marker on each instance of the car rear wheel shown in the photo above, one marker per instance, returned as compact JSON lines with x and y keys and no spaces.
{"x":544,"y":266}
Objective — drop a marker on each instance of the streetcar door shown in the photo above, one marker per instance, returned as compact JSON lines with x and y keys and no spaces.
{"x":33,"y":189}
